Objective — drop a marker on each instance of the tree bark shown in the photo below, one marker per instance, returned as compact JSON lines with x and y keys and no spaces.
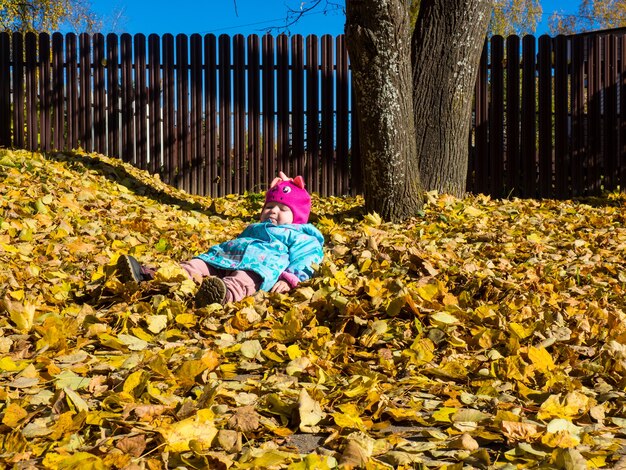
{"x":447,"y":44}
{"x":379,"y":42}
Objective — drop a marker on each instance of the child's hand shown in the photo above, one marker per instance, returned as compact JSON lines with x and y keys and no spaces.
{"x":280,"y":287}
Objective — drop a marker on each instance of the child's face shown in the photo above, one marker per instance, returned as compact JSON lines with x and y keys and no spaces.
{"x":277,"y":213}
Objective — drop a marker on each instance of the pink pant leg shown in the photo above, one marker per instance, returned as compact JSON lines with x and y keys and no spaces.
{"x":239,"y":284}
{"x":197,"y":269}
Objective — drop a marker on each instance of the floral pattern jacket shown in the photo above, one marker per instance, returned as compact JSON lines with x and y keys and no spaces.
{"x":274,"y":252}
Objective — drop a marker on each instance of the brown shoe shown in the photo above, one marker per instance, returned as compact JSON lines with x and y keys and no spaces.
{"x":211,"y":291}
{"x":129,"y":269}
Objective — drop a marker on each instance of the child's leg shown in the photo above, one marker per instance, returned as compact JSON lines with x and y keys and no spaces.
{"x":129,"y":269}
{"x":198,"y":269}
{"x":233,"y":286}
{"x":240,"y":284}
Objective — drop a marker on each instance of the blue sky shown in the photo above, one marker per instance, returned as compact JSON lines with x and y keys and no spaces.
{"x":250,"y":16}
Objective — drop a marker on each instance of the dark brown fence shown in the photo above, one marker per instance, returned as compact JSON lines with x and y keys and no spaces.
{"x":211,"y":115}
{"x":550,"y":116}
{"x":218,"y":115}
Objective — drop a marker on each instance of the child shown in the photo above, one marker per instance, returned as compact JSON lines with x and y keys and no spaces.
{"x":273,"y":255}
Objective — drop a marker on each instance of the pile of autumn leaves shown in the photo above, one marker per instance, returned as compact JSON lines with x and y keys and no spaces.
{"x":484,"y":334}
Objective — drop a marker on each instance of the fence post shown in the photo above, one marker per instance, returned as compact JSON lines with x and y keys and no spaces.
{"x":210,"y":104}
{"x":58,"y":98}
{"x":154,"y":102}
{"x":513,"y":165}
{"x":225,"y":118}
{"x":269,"y":167}
{"x":140,"y":101}
{"x":5,"y":90}
{"x":594,"y":106}
{"x":99,"y":95}
{"x":621,"y":73}
{"x":342,"y":162}
{"x":610,"y":132}
{"x":198,"y":164}
{"x":239,"y":120}
{"x":113,"y":79}
{"x":254,"y":115}
{"x":297,"y":100}
{"x":328,"y":151}
{"x":45,"y":108}
{"x":545,"y":116}
{"x":478,"y":173}
{"x":561,"y":116}
{"x":312,"y":112}
{"x":529,"y":111}
{"x":496,"y":119}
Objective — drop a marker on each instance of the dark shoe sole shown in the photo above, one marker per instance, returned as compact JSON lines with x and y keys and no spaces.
{"x":211,"y":291}
{"x":129,"y":269}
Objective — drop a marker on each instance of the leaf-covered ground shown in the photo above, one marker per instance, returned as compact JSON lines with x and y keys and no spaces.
{"x":482,"y":334}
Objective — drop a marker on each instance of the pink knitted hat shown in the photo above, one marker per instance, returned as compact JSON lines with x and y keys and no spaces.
{"x":291,"y":192}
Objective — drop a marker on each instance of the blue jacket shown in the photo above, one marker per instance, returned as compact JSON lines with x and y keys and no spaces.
{"x":274,"y":252}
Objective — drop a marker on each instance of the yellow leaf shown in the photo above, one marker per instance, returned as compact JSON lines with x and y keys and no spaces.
{"x":443,"y":319}
{"x":132,"y":342}
{"x":373,"y":219}
{"x":443,"y":414}
{"x":451,"y":369}
{"x":468,"y":415}
{"x":421,"y":351}
{"x":82,"y":460}
{"x":187,"y":320}
{"x":520,"y":331}
{"x":170,"y":272}
{"x":64,"y":425}
{"x":17,"y":294}
{"x":293,"y":351}
{"x":21,"y":314}
{"x":314,"y":461}
{"x":512,"y":367}
{"x":8,"y":365}
{"x":267,"y":459}
{"x":472,"y":211}
{"x":541,"y":359}
{"x":572,"y":405}
{"x":401,"y":414}
{"x":177,"y":436}
{"x":375,"y":288}
{"x":272,"y":356}
{"x":359,"y":386}
{"x":13,"y":414}
{"x":156,"y":323}
{"x":251,"y":349}
{"x":310,"y":412}
{"x":76,"y":400}
{"x":597,"y":461}
{"x":189,"y":370}
{"x":428,"y":292}
{"x":349,"y":417}
{"x":135,"y":383}
{"x":561,"y":433}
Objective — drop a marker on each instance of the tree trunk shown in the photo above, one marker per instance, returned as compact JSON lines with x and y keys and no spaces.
{"x":379,"y":42}
{"x":447,"y":44}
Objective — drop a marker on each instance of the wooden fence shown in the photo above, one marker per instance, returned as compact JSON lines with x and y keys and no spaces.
{"x":218,"y":115}
{"x":211,"y":115}
{"x":550,"y":116}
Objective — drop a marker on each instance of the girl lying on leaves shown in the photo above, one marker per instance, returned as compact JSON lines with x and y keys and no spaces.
{"x":273,"y":255}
